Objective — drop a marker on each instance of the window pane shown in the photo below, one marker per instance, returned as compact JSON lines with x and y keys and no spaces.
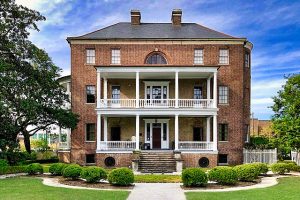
{"x":223,"y":95}
{"x":164,"y":131}
{"x":115,"y":56}
{"x":90,"y":94}
{"x":148,"y":131}
{"x":116,"y":94}
{"x":156,"y":59}
{"x":223,"y":132}
{"x":90,"y":132}
{"x":197,"y":92}
{"x":198,"y":56}
{"x":90,"y":56}
{"x":224,"y":56}
{"x":247,"y":59}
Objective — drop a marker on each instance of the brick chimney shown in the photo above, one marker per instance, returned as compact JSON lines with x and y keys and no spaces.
{"x":135,"y":17}
{"x":176,"y":17}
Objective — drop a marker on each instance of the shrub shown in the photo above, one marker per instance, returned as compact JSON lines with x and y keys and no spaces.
{"x":121,"y":176}
{"x":34,"y":168}
{"x":3,"y":163}
{"x":57,"y":168}
{"x":194,"y":177}
{"x":223,"y":175}
{"x":72,"y":171}
{"x":93,"y":174}
{"x":280,"y":168}
{"x":246,"y":172}
{"x":13,"y":169}
{"x":261,"y":167}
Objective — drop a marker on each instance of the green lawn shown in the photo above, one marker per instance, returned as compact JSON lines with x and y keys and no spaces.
{"x":32,"y":188}
{"x":152,"y":178}
{"x":287,"y":189}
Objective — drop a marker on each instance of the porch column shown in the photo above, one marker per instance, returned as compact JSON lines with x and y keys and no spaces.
{"x":215,"y":89}
{"x":98,"y":131}
{"x":137,"y":132}
{"x":105,"y":89}
{"x":176,"y":90}
{"x":208,"y":129}
{"x":215,"y":133}
{"x":105,"y":128}
{"x":176,"y":132}
{"x":98,"y":89}
{"x":137,"y":90}
{"x":208,"y":88}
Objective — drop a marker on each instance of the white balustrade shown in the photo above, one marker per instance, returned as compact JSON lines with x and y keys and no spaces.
{"x":117,"y":145}
{"x":157,"y":103}
{"x":194,"y":145}
{"x":63,"y":145}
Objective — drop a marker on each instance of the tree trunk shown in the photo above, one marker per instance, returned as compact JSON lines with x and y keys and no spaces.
{"x":27,"y":141}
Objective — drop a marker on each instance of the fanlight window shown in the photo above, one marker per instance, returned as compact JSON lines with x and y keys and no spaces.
{"x":156,"y":59}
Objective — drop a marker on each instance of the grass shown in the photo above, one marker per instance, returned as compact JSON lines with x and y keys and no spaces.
{"x":287,"y":189}
{"x":153,"y":178}
{"x":29,"y":188}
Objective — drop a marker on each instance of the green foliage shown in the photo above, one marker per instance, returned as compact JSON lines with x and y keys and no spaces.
{"x":291,"y":164}
{"x":194,"y":177}
{"x":247,"y":172}
{"x":121,"y":176}
{"x":34,"y":168}
{"x":286,"y":120}
{"x":57,"y":168}
{"x":72,"y":171}
{"x":280,"y":168}
{"x":259,"y":142}
{"x":223,"y":175}
{"x":261,"y":167}
{"x":39,"y":145}
{"x":93,"y":174}
{"x":12,"y":169}
{"x":3,"y":163}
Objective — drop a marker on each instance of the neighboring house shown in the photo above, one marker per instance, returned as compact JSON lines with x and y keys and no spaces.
{"x":261,"y":127}
{"x":57,"y":138}
{"x":161,"y":88}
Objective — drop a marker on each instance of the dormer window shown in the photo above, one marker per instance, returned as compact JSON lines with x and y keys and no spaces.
{"x":156,"y":58}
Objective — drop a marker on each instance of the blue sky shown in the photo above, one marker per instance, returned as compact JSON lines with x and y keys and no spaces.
{"x":272,"y":26}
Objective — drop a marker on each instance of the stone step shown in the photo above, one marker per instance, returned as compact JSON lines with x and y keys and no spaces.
{"x":157,"y":162}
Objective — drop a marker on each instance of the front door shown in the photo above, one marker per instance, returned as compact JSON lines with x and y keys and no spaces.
{"x":156,"y":136}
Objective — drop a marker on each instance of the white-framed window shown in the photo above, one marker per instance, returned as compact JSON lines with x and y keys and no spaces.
{"x":115,"y":56}
{"x":115,"y":94}
{"x":90,"y":94}
{"x":198,"y":56}
{"x":223,"y":95}
{"x":90,"y":130}
{"x":224,"y":56}
{"x":90,"y":56}
{"x":247,"y":60}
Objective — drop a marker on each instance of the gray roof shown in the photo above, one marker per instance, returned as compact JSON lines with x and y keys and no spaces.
{"x":124,"y":30}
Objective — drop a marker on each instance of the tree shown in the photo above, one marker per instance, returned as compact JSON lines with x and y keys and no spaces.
{"x":31,"y":99}
{"x":286,"y":120}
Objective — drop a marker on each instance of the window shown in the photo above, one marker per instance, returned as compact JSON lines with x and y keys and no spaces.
{"x":90,"y":132}
{"x":164,"y":131}
{"x":223,"y":95}
{"x":115,"y":94}
{"x":197,"y":92}
{"x":198,"y":56}
{"x":224,"y":56}
{"x":90,"y":56}
{"x":223,"y":159}
{"x":223,"y":132}
{"x":90,"y":94}
{"x":115,"y":133}
{"x":148,"y":132}
{"x":90,"y":158}
{"x":247,"y":60}
{"x":198,"y":134}
{"x":156,"y":58}
{"x":115,"y":56}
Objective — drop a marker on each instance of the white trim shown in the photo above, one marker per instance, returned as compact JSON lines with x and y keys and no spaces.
{"x":160,"y":121}
{"x":198,"y":152}
{"x":156,"y":83}
{"x":103,"y":152}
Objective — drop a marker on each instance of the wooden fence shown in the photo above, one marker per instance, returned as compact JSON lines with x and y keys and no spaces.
{"x":257,"y":155}
{"x":295,"y":157}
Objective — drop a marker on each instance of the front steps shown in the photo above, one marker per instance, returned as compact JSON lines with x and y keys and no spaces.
{"x":157,"y":162}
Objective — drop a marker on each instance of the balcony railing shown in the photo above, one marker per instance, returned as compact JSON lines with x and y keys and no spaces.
{"x":192,"y":145}
{"x":64,"y":145}
{"x":117,"y":145}
{"x":156,"y":103}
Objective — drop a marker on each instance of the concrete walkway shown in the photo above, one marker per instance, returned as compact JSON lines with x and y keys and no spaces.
{"x":157,"y":191}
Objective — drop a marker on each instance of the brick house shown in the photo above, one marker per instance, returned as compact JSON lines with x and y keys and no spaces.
{"x":178,"y":93}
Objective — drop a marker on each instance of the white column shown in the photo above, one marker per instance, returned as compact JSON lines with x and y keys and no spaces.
{"x":208,"y":88}
{"x":176,"y":132}
{"x":215,"y":89}
{"x":137,"y":89}
{"x":105,"y":128}
{"x":105,"y":88}
{"x":215,"y":133}
{"x":68,"y":138}
{"x":176,"y":90}
{"x":137,"y":132}
{"x":208,"y":129}
{"x":98,"y":89}
{"x":98,"y":131}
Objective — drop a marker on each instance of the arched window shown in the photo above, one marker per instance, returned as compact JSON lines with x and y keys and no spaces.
{"x":156,"y":58}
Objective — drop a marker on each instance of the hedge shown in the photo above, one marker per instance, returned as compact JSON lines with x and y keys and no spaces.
{"x":223,"y":175}
{"x":12,"y":169}
{"x":34,"y":168}
{"x":194,"y":177}
{"x":56,"y":169}
{"x":93,"y":174}
{"x":281,"y":168}
{"x":261,"y":167}
{"x":121,"y":176}
{"x":247,"y":172}
{"x":72,"y":171}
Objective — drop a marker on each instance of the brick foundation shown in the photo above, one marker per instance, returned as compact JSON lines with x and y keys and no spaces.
{"x":192,"y":159}
{"x":64,"y":156}
{"x":121,"y":159}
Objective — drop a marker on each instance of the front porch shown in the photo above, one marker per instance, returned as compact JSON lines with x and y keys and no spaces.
{"x":159,"y":133}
